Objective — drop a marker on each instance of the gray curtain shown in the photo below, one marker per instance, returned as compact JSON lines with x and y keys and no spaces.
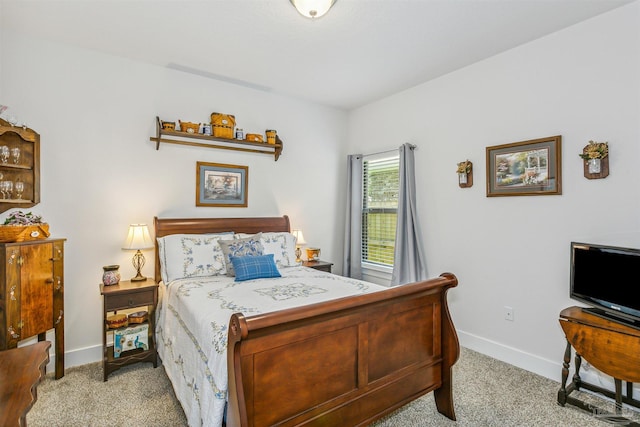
{"x":351,"y":264}
{"x":409,"y":264}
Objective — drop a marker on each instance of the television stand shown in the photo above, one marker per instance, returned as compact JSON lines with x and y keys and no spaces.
{"x":609,"y":346}
{"x":621,"y":318}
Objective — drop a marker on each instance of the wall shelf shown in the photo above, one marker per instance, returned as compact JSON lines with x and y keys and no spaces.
{"x":207,"y":141}
{"x":27,"y":170}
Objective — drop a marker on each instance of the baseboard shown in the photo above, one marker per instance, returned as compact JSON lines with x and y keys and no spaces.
{"x":527,"y":361}
{"x":536,"y":364}
{"x":513,"y":356}
{"x":83,"y":356}
{"x":78,"y":357}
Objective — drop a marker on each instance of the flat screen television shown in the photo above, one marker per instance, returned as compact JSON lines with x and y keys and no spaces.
{"x":607,"y":278}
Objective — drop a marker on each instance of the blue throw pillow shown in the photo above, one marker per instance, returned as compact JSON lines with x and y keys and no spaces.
{"x":250,"y":246}
{"x":254,"y":267}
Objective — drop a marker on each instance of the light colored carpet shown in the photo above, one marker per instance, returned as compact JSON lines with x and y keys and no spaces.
{"x":487,"y":392}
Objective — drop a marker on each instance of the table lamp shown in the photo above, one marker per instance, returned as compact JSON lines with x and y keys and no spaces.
{"x":299,"y":242}
{"x":138,"y":239}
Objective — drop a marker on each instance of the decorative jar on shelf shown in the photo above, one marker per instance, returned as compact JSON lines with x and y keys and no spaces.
{"x":111,"y":275}
{"x":271,"y":136}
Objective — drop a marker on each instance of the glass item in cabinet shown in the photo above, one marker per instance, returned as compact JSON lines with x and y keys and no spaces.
{"x":4,"y":154}
{"x":8,"y":189}
{"x":19,"y":187}
{"x":15,"y":155}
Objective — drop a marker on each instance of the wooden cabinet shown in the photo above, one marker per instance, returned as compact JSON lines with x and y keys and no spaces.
{"x":32,"y":294}
{"x":22,"y":165}
{"x":124,"y":296}
{"x":208,"y":141}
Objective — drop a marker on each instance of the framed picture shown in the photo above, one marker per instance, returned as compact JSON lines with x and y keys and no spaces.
{"x":527,"y":168}
{"x":219,"y":185}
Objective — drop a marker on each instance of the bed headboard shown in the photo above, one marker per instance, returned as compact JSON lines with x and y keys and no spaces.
{"x":166,"y":226}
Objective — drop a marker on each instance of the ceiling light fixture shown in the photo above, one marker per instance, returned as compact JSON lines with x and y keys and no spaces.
{"x":312,"y":8}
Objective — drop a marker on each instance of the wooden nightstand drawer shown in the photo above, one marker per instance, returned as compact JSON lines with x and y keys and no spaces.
{"x":130,"y":300}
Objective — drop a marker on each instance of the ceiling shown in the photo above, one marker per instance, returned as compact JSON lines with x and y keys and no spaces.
{"x":362,"y":50}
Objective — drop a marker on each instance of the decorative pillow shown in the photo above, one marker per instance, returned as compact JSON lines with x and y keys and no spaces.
{"x":281,"y":244}
{"x":254,"y":267}
{"x":191,"y":255}
{"x":249,"y":246}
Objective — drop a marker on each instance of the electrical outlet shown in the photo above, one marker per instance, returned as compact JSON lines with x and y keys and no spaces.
{"x":508,"y":313}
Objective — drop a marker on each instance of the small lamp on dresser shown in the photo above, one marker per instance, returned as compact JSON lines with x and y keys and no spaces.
{"x":138,"y":239}
{"x":299,"y":243}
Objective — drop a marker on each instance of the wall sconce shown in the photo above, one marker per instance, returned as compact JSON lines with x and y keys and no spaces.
{"x":312,"y":8}
{"x":465,"y":174}
{"x":138,"y":239}
{"x":596,"y":160}
{"x":299,"y":242}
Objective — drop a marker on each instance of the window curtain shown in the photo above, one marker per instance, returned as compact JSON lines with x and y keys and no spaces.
{"x":409,"y":264}
{"x":351,"y":264}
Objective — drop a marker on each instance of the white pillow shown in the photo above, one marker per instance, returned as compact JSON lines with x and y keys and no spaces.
{"x":281,"y":244}
{"x":191,"y":255}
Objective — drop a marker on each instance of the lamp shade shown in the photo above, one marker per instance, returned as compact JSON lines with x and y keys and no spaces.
{"x":299,"y":237}
{"x":312,"y":8}
{"x":138,"y":238}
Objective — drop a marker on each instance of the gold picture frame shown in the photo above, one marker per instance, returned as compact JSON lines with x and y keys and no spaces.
{"x":221,"y":185}
{"x":526,"y":168}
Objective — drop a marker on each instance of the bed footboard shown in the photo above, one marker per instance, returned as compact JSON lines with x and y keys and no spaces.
{"x":343,"y":362}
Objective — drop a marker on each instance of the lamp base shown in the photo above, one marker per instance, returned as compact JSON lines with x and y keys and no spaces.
{"x":138,"y":262}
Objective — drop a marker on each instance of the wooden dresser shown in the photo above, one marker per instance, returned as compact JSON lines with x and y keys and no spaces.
{"x":32,"y":294}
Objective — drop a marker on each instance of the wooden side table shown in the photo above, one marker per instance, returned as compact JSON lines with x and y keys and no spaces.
{"x":128,"y":295}
{"x":610,"y":346}
{"x":21,"y":369}
{"x":318,"y":265}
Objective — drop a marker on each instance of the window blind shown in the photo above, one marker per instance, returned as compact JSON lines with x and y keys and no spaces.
{"x":380,"y":183}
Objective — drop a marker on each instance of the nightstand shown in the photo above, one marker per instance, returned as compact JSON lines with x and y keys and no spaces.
{"x":318,"y":265}
{"x":124,"y":296}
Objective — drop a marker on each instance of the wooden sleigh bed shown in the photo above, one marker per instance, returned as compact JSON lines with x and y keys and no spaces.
{"x":343,"y":362}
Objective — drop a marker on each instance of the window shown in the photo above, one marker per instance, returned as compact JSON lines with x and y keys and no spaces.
{"x":380,"y":181}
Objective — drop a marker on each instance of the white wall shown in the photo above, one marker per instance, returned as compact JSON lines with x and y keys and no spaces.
{"x":100,"y":172}
{"x":582,"y":83}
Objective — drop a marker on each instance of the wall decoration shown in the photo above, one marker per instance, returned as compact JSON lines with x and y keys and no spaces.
{"x":527,"y":168}
{"x":465,"y":174}
{"x":220,"y":185}
{"x":596,"y":160}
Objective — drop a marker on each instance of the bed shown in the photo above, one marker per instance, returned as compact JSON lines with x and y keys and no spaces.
{"x":346,"y":361}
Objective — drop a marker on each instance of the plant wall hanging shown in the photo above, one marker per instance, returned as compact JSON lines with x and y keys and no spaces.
{"x":465,"y":174}
{"x":596,"y":160}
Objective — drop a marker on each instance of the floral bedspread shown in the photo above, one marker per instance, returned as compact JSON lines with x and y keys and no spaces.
{"x":193,"y":319}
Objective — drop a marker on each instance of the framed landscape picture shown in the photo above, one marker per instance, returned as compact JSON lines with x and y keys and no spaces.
{"x":527,"y":168}
{"x":220,"y":185}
